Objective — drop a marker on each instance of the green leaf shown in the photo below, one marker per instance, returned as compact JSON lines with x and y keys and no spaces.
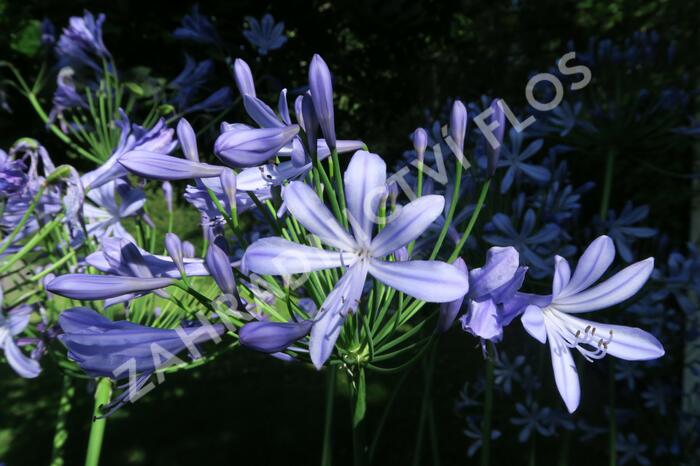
{"x":134,"y":88}
{"x":27,"y":40}
{"x":360,"y":400}
{"x":166,"y":109}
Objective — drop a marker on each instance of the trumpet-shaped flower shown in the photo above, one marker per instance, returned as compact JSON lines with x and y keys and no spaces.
{"x":359,"y":253}
{"x":551,"y":319}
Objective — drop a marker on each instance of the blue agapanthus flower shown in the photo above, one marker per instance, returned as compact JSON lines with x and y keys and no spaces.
{"x":81,"y":43}
{"x":514,"y":156}
{"x":532,"y":419}
{"x":12,"y":324}
{"x":265,"y":35}
{"x":623,"y":229}
{"x":190,"y":81}
{"x":631,"y":450}
{"x":13,"y":177}
{"x":197,"y":28}
{"x":533,"y":244}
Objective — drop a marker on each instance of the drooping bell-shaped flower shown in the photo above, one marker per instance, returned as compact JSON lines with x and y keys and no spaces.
{"x":321,"y":87}
{"x":551,"y":319}
{"x":492,"y":301}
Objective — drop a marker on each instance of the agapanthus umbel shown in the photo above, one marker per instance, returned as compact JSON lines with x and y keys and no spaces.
{"x":359,"y":254}
{"x":81,"y":42}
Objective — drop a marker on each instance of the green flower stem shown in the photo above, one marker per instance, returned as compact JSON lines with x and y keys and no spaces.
{"x":53,"y":266}
{"x":488,"y":409}
{"x":472,"y":221}
{"x":339,"y":186}
{"x":57,"y":131}
{"x":385,"y":414}
{"x":23,"y":221}
{"x":607,"y":186}
{"x":61,"y":435}
{"x":97,"y":429}
{"x":31,"y":244}
{"x":419,"y":193}
{"x":358,"y":426}
{"x":426,"y":400}
{"x":450,"y":213}
{"x":604,"y":206}
{"x":326,"y":452}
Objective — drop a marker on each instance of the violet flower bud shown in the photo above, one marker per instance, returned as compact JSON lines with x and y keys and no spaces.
{"x":311,"y":122}
{"x":494,"y":153}
{"x":228,"y":183}
{"x":174,"y":247}
{"x":420,"y":142}
{"x":219,"y":267}
{"x":322,"y":94}
{"x":250,"y":147}
{"x":168,"y":195}
{"x":458,"y":124}
{"x":188,"y":140}
{"x":272,"y":337}
{"x":188,"y":249}
{"x":243,"y":77}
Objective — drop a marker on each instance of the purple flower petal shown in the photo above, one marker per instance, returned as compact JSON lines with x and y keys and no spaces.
{"x":482,"y":320}
{"x":261,"y":113}
{"x":562,"y":275}
{"x":164,"y":167}
{"x":565,"y":374}
{"x":413,"y":219}
{"x":307,"y":209}
{"x":533,"y":321}
{"x":343,"y":299}
{"x":277,"y":256}
{"x":272,"y":337}
{"x":449,"y":311}
{"x":432,"y":281}
{"x":591,"y":266}
{"x":23,"y":365}
{"x":365,"y":184}
{"x":628,"y":343}
{"x":612,"y":291}
{"x":500,"y":267}
{"x":92,"y":287}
